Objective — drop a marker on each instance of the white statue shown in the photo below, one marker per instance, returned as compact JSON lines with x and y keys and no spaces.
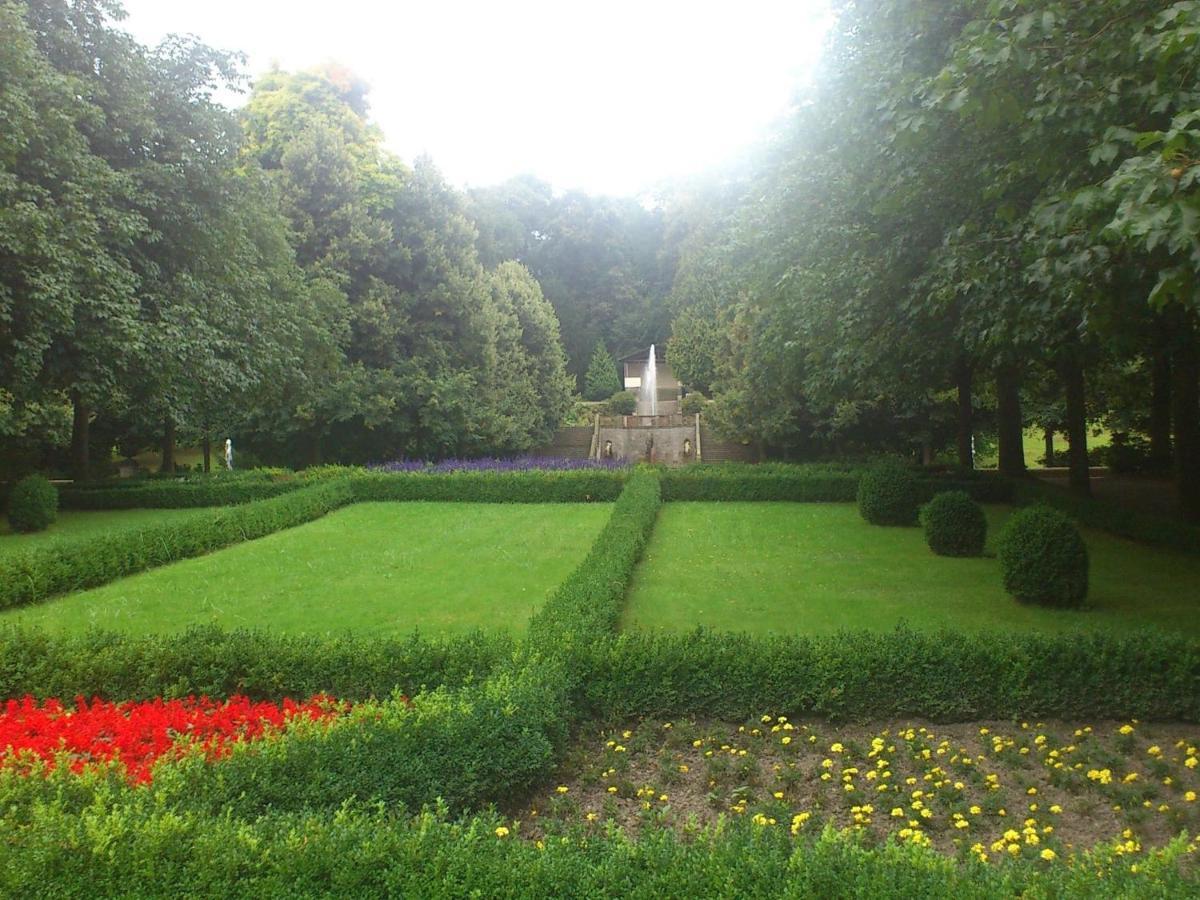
{"x":229,"y":453}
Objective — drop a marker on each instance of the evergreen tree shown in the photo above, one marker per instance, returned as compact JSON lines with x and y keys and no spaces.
{"x":602,"y":380}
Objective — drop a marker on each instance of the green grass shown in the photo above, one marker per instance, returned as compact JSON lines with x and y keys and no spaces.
{"x":377,"y":567}
{"x":72,"y":525}
{"x":818,"y":568}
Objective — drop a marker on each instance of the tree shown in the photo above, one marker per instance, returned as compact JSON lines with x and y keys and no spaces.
{"x":602,"y":380}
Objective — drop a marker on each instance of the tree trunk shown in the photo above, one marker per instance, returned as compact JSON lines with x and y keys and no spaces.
{"x":80,"y":427}
{"x":1077,"y":455}
{"x":1049,"y":448}
{"x":1160,"y":412}
{"x":962,"y":377}
{"x":168,"y":446}
{"x":1010,"y":431}
{"x":206,"y":443}
{"x":1185,"y":409}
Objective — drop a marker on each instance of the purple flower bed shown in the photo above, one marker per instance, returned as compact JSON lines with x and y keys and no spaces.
{"x":516,"y":464}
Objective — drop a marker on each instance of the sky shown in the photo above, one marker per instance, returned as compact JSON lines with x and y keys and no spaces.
{"x":612,"y":97}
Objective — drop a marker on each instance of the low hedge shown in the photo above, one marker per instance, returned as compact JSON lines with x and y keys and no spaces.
{"x":587,"y":606}
{"x":946,"y":676}
{"x":261,"y":665}
{"x":128,"y":846}
{"x":41,"y":572}
{"x":178,"y":494}
{"x":1104,"y":515}
{"x":810,"y":483}
{"x":572,"y":486}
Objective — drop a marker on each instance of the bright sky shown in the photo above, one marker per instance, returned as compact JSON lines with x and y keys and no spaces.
{"x":611,"y":97}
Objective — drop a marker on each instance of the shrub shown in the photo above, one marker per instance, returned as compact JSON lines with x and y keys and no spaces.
{"x":954,"y":524}
{"x":602,"y":377}
{"x":1043,"y":558}
{"x":33,"y":504}
{"x":693,"y":403}
{"x":889,"y":495}
{"x":263,"y":665}
{"x":769,"y":481}
{"x":622,"y":403}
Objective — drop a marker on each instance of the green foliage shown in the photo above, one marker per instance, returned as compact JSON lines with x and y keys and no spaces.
{"x":260,"y":664}
{"x":126,"y":845}
{"x":889,"y":495}
{"x":578,"y":486}
{"x":587,"y":606}
{"x":944,"y":676}
{"x":954,"y":524}
{"x":693,"y":403}
{"x":42,"y":572}
{"x":602,"y":379}
{"x":733,"y":481}
{"x":32,"y":504}
{"x":1043,"y":558}
{"x":622,"y":403}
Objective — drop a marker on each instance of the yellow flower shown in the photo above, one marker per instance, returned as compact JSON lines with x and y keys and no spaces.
{"x":501,"y":832}
{"x":612,"y":788}
{"x":562,"y":788}
{"x":1031,"y":791}
{"x":1190,"y":796}
{"x":591,"y":817}
{"x":778,"y":795}
{"x":785,"y":740}
{"x":1126,"y":729}
{"x":1048,"y":854}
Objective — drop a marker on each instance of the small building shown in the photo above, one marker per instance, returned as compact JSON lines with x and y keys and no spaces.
{"x":633,"y":373}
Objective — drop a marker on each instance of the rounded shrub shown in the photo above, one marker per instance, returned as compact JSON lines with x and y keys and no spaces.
{"x":954,"y":524}
{"x":33,"y":504}
{"x":889,"y":495}
{"x":1043,"y":558}
{"x":622,"y":403}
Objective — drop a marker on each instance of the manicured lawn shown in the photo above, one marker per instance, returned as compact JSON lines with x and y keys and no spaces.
{"x":377,"y":567}
{"x":818,"y":568}
{"x":72,"y":525}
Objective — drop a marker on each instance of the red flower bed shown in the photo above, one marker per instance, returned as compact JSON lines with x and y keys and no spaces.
{"x":139,"y":733}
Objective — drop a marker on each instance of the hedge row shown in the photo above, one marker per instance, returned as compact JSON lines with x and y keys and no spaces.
{"x":946,"y":676}
{"x":816,"y":483}
{"x":42,"y":572}
{"x":133,"y":848}
{"x":587,"y":606}
{"x":1107,"y":516}
{"x":261,"y":665}
{"x":167,"y":494}
{"x":579,"y":486}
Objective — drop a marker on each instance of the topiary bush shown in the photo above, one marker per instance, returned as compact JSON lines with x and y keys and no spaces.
{"x":33,"y":504}
{"x":954,"y":524}
{"x":1043,"y":558}
{"x":889,"y":495}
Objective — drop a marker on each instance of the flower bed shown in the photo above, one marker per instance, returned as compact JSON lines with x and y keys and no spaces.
{"x":137,"y":735}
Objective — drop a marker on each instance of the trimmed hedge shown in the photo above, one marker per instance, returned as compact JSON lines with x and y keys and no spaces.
{"x":178,"y":494}
{"x":945,"y":676}
{"x":128,"y":846}
{"x":262,"y":665}
{"x":42,"y":572}
{"x":587,"y":606}
{"x":572,"y":486}
{"x":32,"y":504}
{"x":1043,"y":558}
{"x":954,"y":524}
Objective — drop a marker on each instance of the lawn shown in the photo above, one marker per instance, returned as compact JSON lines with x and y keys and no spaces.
{"x":817,"y":568}
{"x":88,"y":524}
{"x":375,"y":567}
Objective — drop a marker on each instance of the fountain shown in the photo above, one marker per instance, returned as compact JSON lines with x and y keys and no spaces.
{"x":649,"y":404}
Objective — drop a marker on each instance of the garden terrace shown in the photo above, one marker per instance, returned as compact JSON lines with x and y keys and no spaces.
{"x":464,"y":723}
